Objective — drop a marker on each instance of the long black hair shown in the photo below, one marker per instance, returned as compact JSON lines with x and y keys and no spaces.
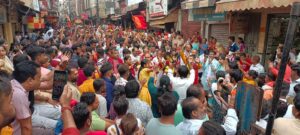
{"x":164,"y":85}
{"x":143,"y":63}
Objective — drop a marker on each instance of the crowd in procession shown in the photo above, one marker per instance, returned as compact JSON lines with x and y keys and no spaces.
{"x":127,"y":82}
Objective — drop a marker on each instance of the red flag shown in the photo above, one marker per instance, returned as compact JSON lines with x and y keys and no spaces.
{"x":139,"y":22}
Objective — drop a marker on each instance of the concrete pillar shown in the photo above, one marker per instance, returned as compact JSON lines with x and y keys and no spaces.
{"x":262,"y":32}
{"x":202,"y":30}
{"x":179,"y":21}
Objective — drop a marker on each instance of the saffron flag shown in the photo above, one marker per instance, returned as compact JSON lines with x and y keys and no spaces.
{"x":139,"y":22}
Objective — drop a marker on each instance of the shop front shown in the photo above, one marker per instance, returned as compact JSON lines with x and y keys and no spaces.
{"x":167,"y":22}
{"x":200,"y":16}
{"x":245,"y":25}
{"x":214,"y":24}
{"x":276,"y":33}
{"x":267,"y":25}
{"x":9,"y":21}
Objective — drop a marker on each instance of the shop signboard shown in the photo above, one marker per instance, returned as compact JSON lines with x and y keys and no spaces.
{"x":207,"y":14}
{"x":210,"y":17}
{"x":158,"y":8}
{"x":133,"y":2}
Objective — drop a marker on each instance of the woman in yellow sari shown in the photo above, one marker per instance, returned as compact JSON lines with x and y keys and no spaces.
{"x":143,"y":76}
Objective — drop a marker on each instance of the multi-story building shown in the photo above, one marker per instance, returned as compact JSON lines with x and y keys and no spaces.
{"x":98,"y":10}
{"x":13,"y":15}
{"x":8,"y":19}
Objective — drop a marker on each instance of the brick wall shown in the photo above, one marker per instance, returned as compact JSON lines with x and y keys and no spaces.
{"x":189,"y":28}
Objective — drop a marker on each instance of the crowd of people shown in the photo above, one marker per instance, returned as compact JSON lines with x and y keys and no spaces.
{"x":127,"y":82}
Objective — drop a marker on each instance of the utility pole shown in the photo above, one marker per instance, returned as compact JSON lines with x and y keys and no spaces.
{"x":97,"y":11}
{"x":289,"y":41}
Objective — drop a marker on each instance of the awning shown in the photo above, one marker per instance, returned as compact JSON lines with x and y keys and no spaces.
{"x":190,"y":4}
{"x":24,"y":10}
{"x":158,"y":26}
{"x":33,"y":4}
{"x":116,"y":17}
{"x":236,"y":5}
{"x":171,"y":17}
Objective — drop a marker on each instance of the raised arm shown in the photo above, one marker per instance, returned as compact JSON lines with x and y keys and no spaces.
{"x":192,"y":76}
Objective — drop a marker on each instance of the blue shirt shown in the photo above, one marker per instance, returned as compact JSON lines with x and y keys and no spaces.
{"x":59,"y":127}
{"x":203,"y":48}
{"x":195,"y":46}
{"x":233,"y":47}
{"x":109,"y":92}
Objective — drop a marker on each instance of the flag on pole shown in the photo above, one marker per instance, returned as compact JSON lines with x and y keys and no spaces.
{"x":139,"y":22}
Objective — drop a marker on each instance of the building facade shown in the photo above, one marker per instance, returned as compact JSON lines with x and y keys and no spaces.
{"x":263,"y":23}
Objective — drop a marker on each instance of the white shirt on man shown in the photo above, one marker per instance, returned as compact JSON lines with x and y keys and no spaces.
{"x":190,"y":126}
{"x":102,"y":110}
{"x":180,"y":85}
{"x":258,"y":68}
{"x":292,"y":92}
{"x":135,"y":58}
{"x":156,"y":62}
{"x":230,"y":123}
{"x":289,"y":112}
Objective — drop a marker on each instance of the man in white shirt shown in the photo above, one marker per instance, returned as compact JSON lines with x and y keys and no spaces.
{"x":256,"y":66}
{"x":100,"y":89}
{"x":180,"y":40}
{"x":135,"y":55}
{"x":159,"y":58}
{"x":194,"y":113}
{"x":295,"y":79}
{"x":124,"y":74}
{"x":288,"y":126}
{"x":180,"y":84}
